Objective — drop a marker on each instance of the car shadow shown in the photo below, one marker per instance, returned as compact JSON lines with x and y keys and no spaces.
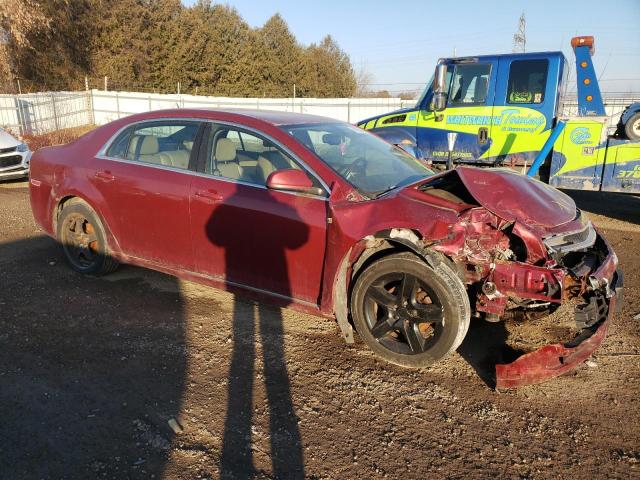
{"x":285,"y":440}
{"x":621,"y":206}
{"x":485,"y":346}
{"x":91,"y":370}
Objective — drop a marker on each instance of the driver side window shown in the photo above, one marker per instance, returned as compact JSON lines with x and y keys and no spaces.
{"x":470,"y":84}
{"x":244,"y":156}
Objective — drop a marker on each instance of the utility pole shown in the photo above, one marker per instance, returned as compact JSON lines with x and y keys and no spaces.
{"x":520,"y":37}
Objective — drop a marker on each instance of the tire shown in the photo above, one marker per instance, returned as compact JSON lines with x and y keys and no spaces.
{"x":415,"y":329}
{"x":632,"y":127}
{"x":83,"y":240}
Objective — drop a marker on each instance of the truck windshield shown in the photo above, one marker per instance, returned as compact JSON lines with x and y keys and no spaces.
{"x":367,"y":162}
{"x":425,"y":93}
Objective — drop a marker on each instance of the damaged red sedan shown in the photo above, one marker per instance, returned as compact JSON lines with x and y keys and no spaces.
{"x":321,"y":216}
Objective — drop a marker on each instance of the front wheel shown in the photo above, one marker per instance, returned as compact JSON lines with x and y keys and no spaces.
{"x":83,"y":240}
{"x":408,"y":313}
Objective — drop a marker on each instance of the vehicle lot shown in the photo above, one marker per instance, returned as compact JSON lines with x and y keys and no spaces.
{"x":92,"y":369}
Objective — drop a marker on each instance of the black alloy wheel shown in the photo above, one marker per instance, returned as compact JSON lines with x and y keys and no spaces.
{"x":409,"y":313}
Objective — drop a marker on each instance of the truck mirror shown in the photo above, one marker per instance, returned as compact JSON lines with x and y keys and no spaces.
{"x":439,"y":101}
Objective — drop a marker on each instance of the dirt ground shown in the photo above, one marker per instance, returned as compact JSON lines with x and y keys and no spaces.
{"x":93,"y":369}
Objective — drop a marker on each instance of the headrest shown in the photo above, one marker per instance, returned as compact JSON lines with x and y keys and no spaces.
{"x":332,"y":139}
{"x":225,"y":150}
{"x":481,"y":87}
{"x":149,"y":145}
{"x":188,"y":144}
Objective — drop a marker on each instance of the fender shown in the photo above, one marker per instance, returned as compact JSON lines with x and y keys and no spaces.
{"x":104,"y":214}
{"x":630,"y":110}
{"x":396,"y":135}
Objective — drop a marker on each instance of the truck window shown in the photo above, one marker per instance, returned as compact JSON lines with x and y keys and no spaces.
{"x":527,"y":81}
{"x":470,"y":84}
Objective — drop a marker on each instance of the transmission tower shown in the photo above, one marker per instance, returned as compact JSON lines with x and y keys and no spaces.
{"x":520,"y":37}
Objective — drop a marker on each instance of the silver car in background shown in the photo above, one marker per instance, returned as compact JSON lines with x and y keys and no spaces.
{"x":14,"y":157}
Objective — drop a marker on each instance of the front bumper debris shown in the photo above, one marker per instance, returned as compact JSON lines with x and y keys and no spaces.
{"x":555,"y":359}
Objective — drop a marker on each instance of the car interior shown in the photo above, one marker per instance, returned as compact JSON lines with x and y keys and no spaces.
{"x":244,"y":157}
{"x":149,"y":146}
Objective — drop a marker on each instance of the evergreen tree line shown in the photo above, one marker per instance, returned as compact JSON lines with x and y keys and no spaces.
{"x":152,"y":45}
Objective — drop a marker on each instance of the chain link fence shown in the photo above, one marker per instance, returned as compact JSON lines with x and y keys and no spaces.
{"x":40,"y":113}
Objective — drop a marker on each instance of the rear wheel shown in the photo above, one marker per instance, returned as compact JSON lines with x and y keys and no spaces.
{"x":632,"y":127}
{"x":408,"y":313}
{"x":83,"y":240}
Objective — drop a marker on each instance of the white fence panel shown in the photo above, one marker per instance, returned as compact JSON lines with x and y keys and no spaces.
{"x":36,"y":113}
{"x":40,"y":113}
{"x":108,"y":106}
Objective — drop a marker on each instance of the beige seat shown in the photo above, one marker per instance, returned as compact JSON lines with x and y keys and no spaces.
{"x":226,"y":163}
{"x":133,"y":145}
{"x":149,"y":151}
{"x":178,"y":158}
{"x":270,"y":161}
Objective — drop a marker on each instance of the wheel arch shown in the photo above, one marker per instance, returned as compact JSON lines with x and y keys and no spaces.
{"x":112,"y":243}
{"x":368,"y":250}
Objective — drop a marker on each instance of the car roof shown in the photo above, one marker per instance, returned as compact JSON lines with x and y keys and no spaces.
{"x":275,"y":117}
{"x":271,"y":117}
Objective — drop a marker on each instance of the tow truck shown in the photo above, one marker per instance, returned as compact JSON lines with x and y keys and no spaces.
{"x":505,"y":110}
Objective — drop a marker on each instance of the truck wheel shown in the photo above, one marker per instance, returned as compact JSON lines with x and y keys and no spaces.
{"x":632,"y":127}
{"x":408,"y":313}
{"x":84,"y":241}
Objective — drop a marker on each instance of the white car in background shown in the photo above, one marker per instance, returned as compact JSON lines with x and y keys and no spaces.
{"x":14,"y":157}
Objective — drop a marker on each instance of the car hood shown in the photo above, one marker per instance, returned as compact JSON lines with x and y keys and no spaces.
{"x":515,"y":197}
{"x":7,"y":140}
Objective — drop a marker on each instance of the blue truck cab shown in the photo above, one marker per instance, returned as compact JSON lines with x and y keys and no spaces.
{"x":500,"y":110}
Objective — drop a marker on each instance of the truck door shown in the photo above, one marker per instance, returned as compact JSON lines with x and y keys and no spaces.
{"x":524,"y":108}
{"x":468,"y":114}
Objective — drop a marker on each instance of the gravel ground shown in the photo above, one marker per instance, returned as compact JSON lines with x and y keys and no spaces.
{"x":94,"y":370}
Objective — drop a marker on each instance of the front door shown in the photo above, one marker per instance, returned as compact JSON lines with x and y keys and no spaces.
{"x":245,"y":234}
{"x":468,"y":115}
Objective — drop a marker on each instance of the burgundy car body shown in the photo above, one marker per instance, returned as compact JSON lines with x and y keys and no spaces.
{"x":493,"y":226}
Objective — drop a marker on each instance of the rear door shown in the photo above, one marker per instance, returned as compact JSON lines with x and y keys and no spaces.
{"x":144,"y":179}
{"x":524,"y":109}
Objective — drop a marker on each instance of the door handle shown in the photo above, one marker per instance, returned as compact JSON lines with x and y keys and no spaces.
{"x":104,"y":175}
{"x":210,"y":196}
{"x":483,"y":135}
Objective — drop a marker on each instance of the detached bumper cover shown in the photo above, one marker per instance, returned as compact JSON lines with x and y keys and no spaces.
{"x":554,"y":360}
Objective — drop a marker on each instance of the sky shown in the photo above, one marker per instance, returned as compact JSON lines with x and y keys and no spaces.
{"x":398,"y":43}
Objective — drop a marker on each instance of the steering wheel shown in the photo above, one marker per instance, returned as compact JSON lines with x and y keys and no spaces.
{"x":354,"y":167}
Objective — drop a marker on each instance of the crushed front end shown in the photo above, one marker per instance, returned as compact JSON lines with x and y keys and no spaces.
{"x":592,"y":277}
{"x":520,"y":264}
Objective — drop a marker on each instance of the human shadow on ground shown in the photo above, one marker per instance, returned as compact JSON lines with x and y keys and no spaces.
{"x":255,"y":253}
{"x":91,"y":370}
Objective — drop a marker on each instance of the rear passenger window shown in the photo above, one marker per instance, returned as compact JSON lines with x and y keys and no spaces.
{"x":167,"y":143}
{"x":527,"y":81}
{"x":118,"y":149}
{"x":239,"y":155}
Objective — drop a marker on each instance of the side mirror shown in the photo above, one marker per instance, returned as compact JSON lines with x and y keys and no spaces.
{"x":439,"y":101}
{"x":292,"y":180}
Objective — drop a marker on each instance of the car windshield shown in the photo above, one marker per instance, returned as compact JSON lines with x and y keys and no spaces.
{"x":367,"y":162}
